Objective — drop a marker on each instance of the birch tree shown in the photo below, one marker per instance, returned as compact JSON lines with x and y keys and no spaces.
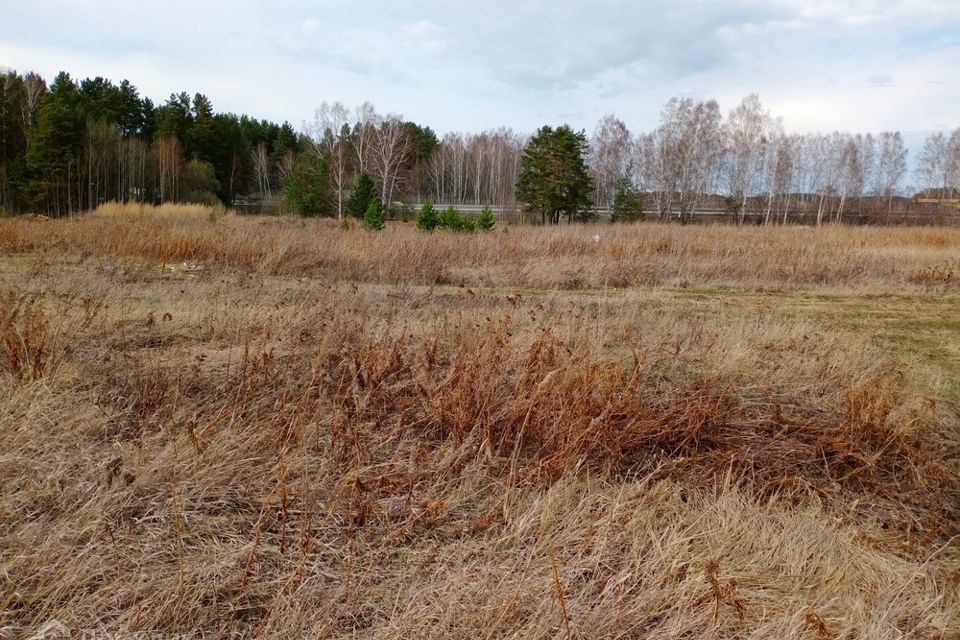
{"x":329,"y":136}
{"x":390,"y":151}
{"x":932,"y":165}
{"x":891,"y":166}
{"x":681,"y":156}
{"x":34,"y":88}
{"x":363,"y":133}
{"x":261,"y":168}
{"x":747,"y":133}
{"x":609,"y":153}
{"x":938,"y":165}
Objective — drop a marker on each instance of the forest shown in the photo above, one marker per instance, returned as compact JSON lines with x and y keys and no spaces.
{"x":70,"y":146}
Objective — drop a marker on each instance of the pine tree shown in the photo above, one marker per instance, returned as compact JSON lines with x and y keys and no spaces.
{"x":427,"y":218}
{"x":55,"y":149}
{"x":486,"y":221}
{"x":450,"y":219}
{"x":627,"y":202}
{"x":373,"y":219}
{"x":553,"y":178}
{"x":363,"y":194}
{"x":305,"y":189}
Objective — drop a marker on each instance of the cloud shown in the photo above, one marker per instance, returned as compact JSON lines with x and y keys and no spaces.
{"x":880,"y":80}
{"x":823,"y":64}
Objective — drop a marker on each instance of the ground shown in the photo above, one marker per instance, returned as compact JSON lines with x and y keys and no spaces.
{"x":237,"y":427}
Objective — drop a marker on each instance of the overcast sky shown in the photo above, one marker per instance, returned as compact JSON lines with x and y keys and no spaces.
{"x":853,"y":65}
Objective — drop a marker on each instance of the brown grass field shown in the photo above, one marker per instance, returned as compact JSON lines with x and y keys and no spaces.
{"x":218,"y":426}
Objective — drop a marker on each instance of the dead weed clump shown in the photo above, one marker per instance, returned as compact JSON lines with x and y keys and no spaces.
{"x":942,"y":275}
{"x":537,"y":411}
{"x":25,"y":337}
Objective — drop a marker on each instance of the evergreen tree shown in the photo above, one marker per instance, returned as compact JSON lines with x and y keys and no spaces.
{"x":229,"y":151}
{"x":450,"y":219}
{"x":363,"y":193}
{"x":553,"y":178}
{"x":55,"y":149}
{"x":198,"y":182}
{"x":427,"y":218}
{"x":305,"y":191}
{"x":201,"y":136}
{"x":13,"y":140}
{"x":373,"y":219}
{"x":486,"y":221}
{"x":174,"y":119}
{"x":627,"y":202}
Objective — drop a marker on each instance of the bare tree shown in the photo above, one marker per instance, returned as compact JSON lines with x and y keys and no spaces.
{"x":747,"y":132}
{"x":891,"y":166}
{"x":133,"y":169}
{"x":261,"y":168}
{"x":818,"y":171}
{"x":953,"y":162}
{"x":938,"y":165}
{"x":785,"y":174}
{"x":479,"y":159}
{"x":390,"y":151}
{"x":367,"y":120}
{"x":610,"y":149}
{"x":329,"y":136}
{"x":933,"y":165}
{"x":169,"y":159}
{"x":34,"y":88}
{"x":778,"y":174}
{"x":284,"y":166}
{"x":658,"y":173}
{"x":103,"y":149}
{"x":681,"y":157}
{"x":477,"y":168}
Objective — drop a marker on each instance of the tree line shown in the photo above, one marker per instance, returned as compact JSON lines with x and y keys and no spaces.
{"x":69,"y":146}
{"x":695,"y":154}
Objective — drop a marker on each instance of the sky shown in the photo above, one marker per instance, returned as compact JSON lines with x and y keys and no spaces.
{"x":824,"y":65}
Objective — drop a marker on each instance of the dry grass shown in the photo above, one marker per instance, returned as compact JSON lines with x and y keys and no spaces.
{"x":167,"y":210}
{"x":524,"y":257}
{"x":258,"y":429}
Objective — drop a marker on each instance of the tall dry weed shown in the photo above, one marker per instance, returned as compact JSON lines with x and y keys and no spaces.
{"x":565,"y":257}
{"x":25,"y":340}
{"x":167,"y":210}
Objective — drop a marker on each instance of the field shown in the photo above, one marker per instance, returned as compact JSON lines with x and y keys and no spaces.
{"x":220,"y":426}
